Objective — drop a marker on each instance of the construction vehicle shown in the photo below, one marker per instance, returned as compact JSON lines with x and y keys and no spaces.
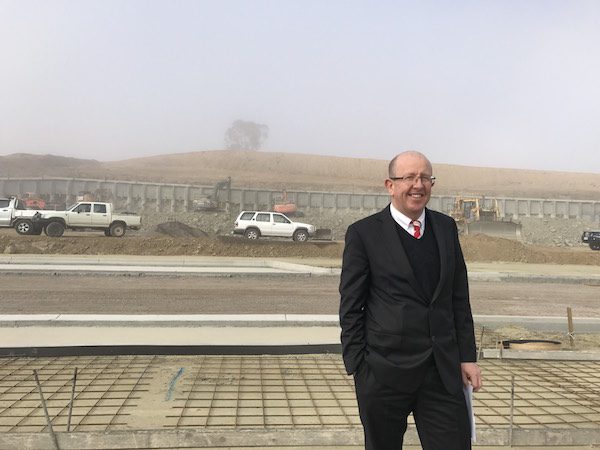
{"x":482,"y":215}
{"x":286,"y":206}
{"x":85,"y":196}
{"x":98,"y":195}
{"x":32,"y":200}
{"x":211,"y":202}
{"x":289,"y":208}
{"x":14,"y":214}
{"x":592,"y":238}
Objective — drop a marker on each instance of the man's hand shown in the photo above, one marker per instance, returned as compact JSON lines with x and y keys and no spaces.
{"x":471,"y":374}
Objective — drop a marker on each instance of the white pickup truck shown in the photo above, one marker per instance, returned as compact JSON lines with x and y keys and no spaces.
{"x":86,"y":215}
{"x":13,"y":214}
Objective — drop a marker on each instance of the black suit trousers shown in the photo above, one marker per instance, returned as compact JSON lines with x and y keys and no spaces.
{"x":441,"y":418}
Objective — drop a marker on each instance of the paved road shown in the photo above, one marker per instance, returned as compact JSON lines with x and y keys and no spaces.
{"x":89,"y":294}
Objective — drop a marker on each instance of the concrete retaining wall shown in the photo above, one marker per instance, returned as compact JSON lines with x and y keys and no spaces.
{"x":136,"y":196}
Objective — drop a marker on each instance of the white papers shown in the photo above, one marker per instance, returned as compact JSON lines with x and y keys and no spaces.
{"x":468,"y":391}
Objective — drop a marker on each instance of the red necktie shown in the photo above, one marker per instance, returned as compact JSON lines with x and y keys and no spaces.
{"x":417,"y":227}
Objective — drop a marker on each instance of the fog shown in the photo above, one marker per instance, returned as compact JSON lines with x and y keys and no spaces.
{"x":495,"y":83}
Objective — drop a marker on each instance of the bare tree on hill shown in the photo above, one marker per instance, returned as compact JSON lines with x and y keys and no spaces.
{"x":245,"y":135}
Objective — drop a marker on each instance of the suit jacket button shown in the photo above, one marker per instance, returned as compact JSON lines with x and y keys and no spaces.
{"x":433,"y":339}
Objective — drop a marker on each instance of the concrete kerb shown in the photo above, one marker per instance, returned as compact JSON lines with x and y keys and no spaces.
{"x":538,"y":323}
{"x":313,"y":270}
{"x":533,"y":278}
{"x":126,"y":260}
{"x":159,"y":266}
{"x":202,"y":265}
{"x":280,"y":437}
{"x":171,"y":320}
{"x":550,"y":355}
{"x":150,"y":261}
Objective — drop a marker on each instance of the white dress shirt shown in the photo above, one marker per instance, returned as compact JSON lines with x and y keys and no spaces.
{"x":406,"y":222}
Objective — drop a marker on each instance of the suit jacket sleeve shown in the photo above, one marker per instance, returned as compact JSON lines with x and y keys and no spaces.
{"x":354,"y":291}
{"x":463,"y":318}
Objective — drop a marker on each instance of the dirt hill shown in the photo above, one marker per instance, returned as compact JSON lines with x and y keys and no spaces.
{"x":167,"y":242}
{"x":27,"y":165}
{"x":299,"y":171}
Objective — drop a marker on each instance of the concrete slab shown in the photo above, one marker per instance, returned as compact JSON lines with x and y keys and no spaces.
{"x":36,"y":336}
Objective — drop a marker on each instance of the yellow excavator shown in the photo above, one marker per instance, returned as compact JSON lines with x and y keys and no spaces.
{"x":482,"y":215}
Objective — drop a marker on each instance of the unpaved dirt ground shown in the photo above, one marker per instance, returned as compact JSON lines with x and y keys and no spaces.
{"x":475,"y":247}
{"x":251,"y":294}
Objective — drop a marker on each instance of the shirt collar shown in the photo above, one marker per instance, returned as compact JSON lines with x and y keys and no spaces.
{"x":406,"y":222}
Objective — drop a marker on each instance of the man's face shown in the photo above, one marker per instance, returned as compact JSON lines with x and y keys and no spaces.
{"x":410,"y":198}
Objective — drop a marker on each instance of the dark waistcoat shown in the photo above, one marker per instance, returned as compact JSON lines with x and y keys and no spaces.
{"x":424,"y":258}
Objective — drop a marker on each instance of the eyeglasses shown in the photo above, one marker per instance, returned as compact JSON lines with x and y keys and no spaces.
{"x":411,"y":179}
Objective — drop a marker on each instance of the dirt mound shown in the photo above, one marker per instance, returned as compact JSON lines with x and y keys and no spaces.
{"x":178,"y":229}
{"x":477,"y":248}
{"x":88,"y":244}
{"x":481,"y":248}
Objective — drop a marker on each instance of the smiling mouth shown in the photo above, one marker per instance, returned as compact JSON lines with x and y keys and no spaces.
{"x":416,"y":195}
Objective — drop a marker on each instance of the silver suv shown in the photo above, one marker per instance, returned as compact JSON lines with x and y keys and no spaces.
{"x":254,"y":224}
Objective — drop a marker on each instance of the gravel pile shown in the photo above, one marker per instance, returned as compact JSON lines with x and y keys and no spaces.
{"x":178,"y":229}
{"x":556,"y":232}
{"x":212,"y":223}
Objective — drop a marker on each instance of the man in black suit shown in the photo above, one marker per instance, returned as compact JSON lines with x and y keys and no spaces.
{"x":407,"y":327}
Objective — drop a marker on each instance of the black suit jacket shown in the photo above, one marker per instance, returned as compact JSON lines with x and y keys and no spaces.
{"x":387,"y":322}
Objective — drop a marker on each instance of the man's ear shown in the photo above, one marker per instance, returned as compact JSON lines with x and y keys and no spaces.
{"x":389,"y":185}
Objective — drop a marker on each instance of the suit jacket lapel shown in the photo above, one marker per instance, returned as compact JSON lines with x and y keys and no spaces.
{"x":396,"y":250}
{"x":439,"y":233}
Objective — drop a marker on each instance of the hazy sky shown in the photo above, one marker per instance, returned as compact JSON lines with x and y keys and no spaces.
{"x":489,"y":83}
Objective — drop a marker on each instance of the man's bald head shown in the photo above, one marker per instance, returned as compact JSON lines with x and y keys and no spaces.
{"x":409,"y":183}
{"x":396,"y":162}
